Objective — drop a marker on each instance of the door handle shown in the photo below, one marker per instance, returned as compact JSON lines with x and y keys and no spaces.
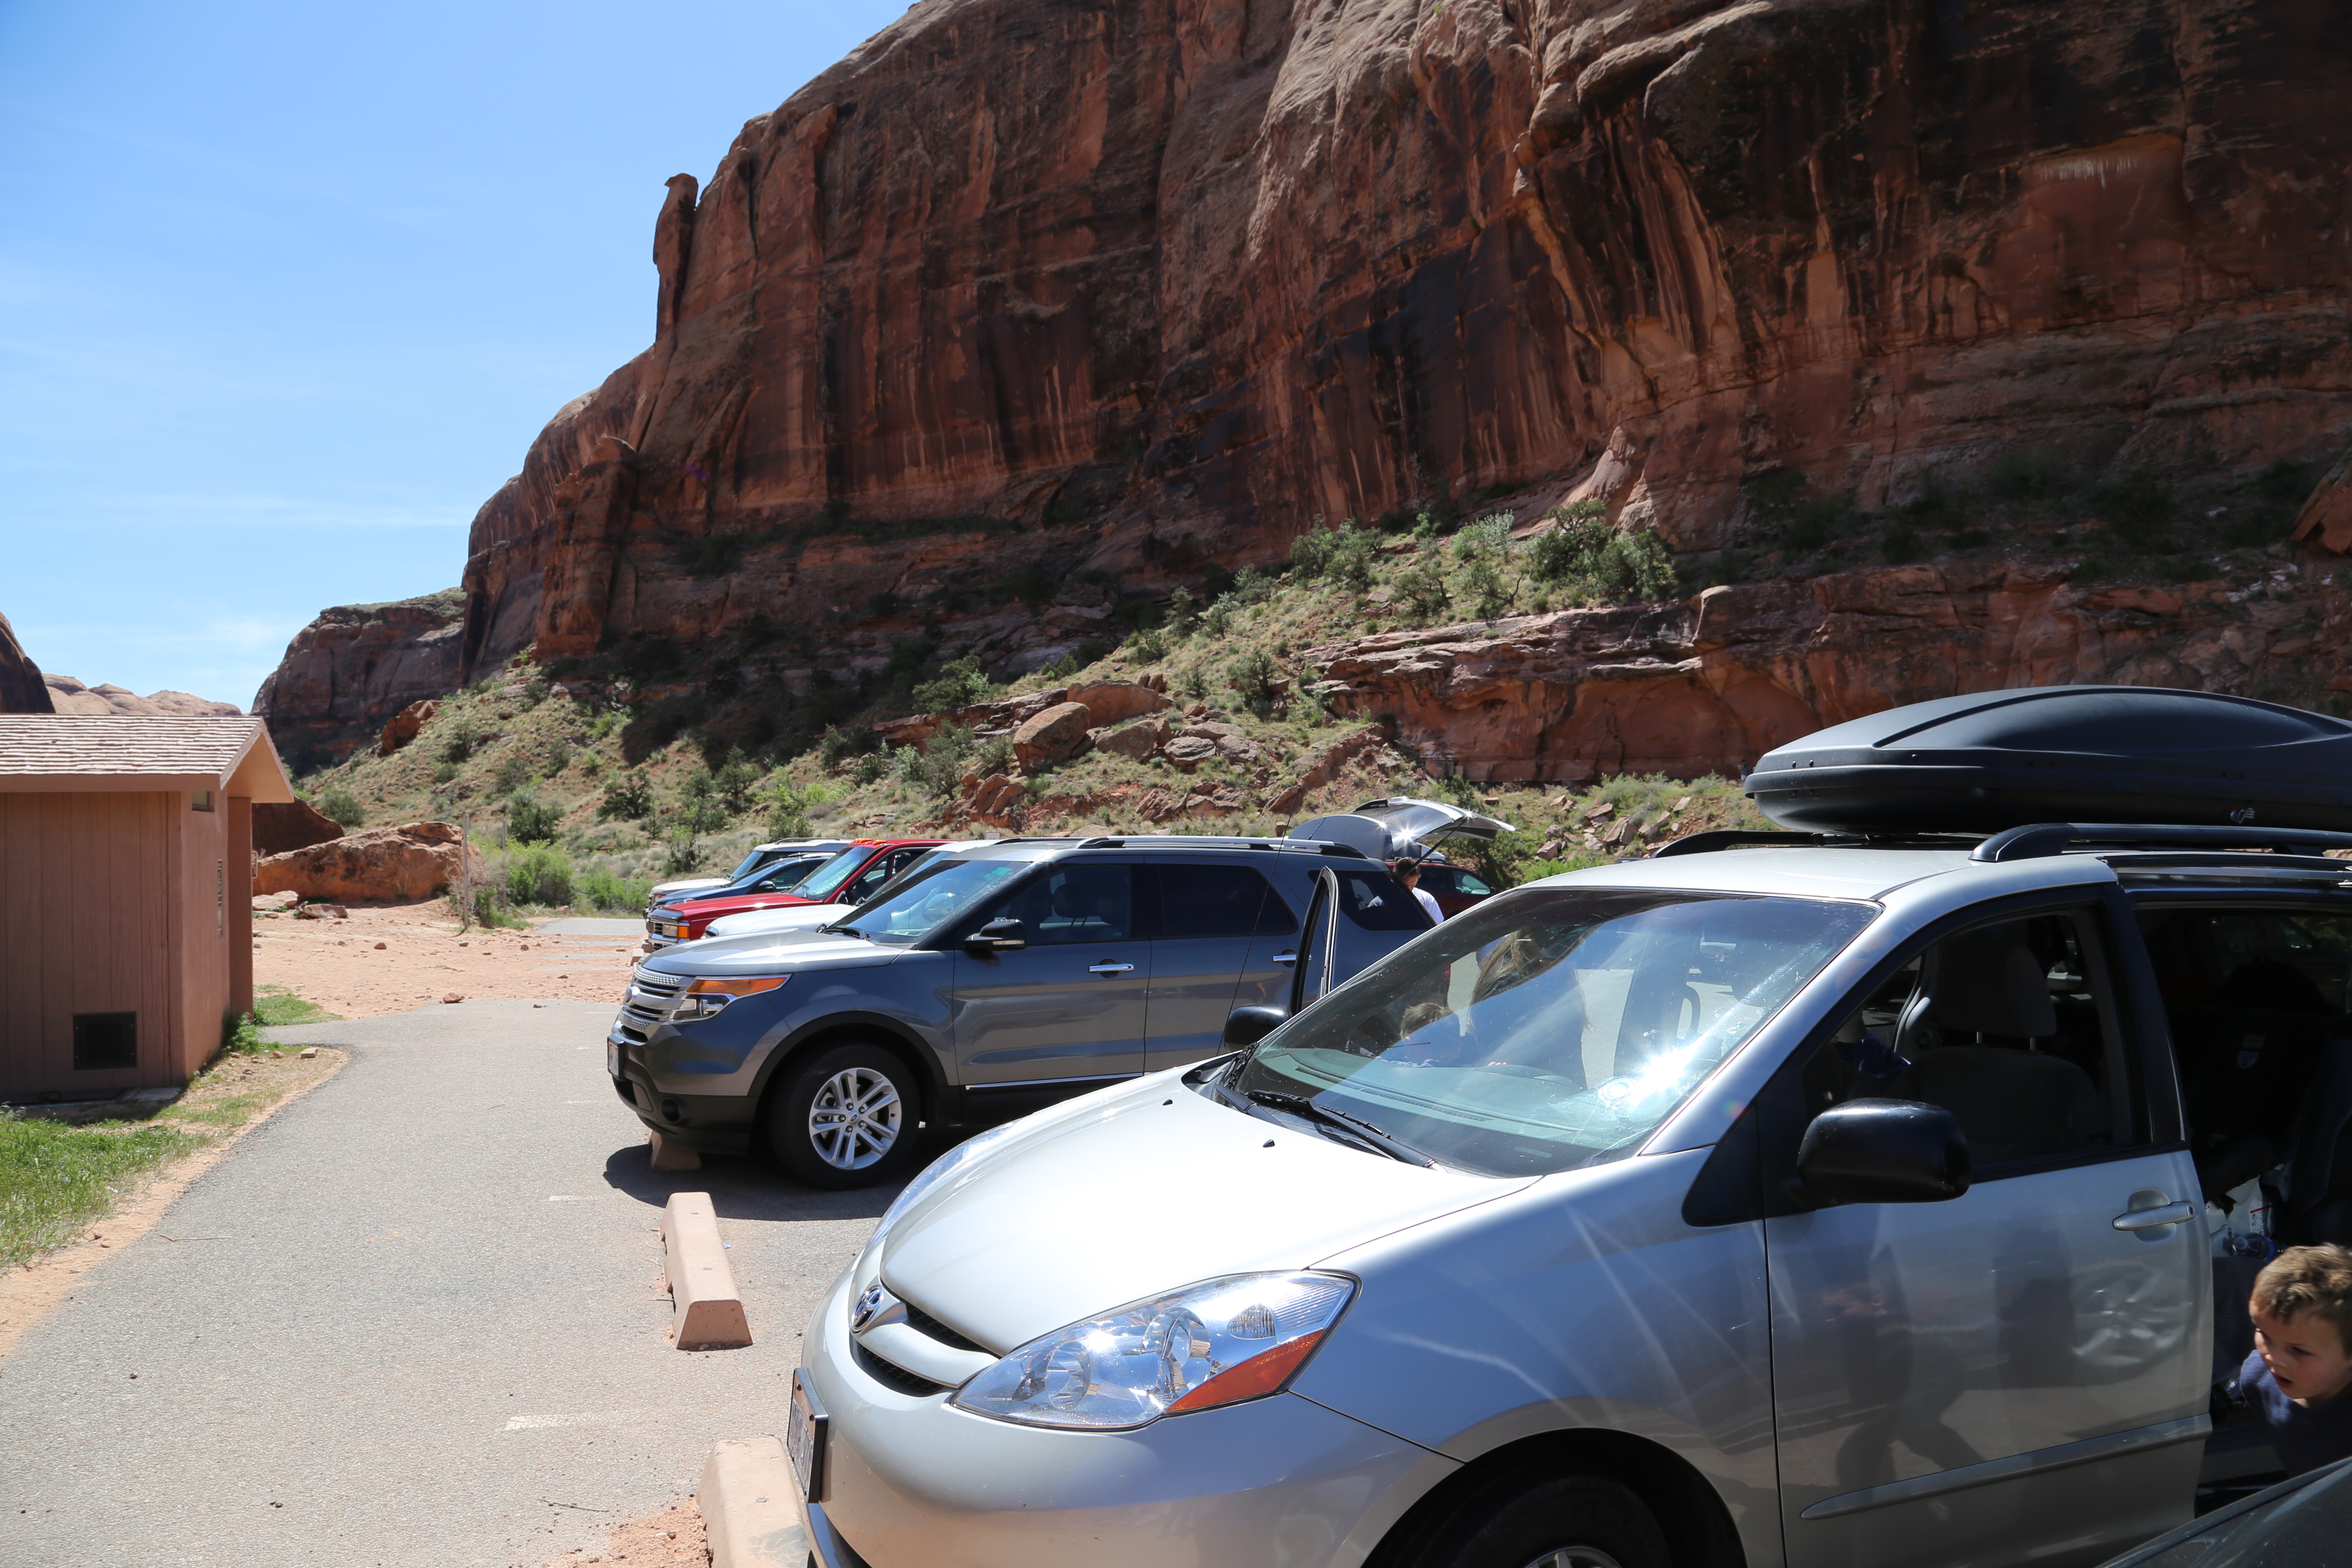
{"x":1285,"y":958}
{"x":1108,"y":968}
{"x":2157,"y":1218}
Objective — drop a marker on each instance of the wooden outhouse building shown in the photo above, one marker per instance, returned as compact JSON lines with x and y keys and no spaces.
{"x":126,"y":908}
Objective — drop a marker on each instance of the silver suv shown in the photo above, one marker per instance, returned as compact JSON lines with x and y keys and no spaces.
{"x":985,"y":984}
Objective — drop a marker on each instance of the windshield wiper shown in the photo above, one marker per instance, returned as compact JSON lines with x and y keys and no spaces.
{"x":1354,"y":1126}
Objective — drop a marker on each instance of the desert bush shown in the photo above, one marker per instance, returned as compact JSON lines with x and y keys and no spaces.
{"x":629,"y":798}
{"x":531,"y":820}
{"x":608,"y":894}
{"x":938,"y":766}
{"x":1596,"y":564}
{"x":700,"y":807}
{"x":1149,"y":645}
{"x":1342,"y":556}
{"x":1183,"y":611}
{"x":338,"y":804}
{"x":736,"y":782}
{"x":1421,"y":589}
{"x":994,"y":756}
{"x":1253,"y":675}
{"x":458,"y":744}
{"x":874,"y":766}
{"x":958,"y":685}
{"x":513,"y":774}
{"x":2139,"y":506}
{"x":681,"y":855}
{"x":537,"y":873}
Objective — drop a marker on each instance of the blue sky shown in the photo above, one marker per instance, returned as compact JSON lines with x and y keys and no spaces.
{"x":286,"y":291}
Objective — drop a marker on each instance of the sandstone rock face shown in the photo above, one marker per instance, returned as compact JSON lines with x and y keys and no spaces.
{"x":22,"y":690}
{"x":1709,"y":685}
{"x":356,"y":665}
{"x":298,"y":825}
{"x":1109,"y":701}
{"x":401,"y":864}
{"x":1138,"y":740}
{"x":1055,"y":735}
{"x":1161,"y":281}
{"x":404,"y":726}
{"x":67,"y":695}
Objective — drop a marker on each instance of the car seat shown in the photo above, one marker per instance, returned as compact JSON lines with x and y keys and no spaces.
{"x":1969,"y":1037}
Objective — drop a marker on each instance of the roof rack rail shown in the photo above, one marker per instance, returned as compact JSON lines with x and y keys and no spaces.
{"x":2040,"y":840}
{"x":1743,"y":838}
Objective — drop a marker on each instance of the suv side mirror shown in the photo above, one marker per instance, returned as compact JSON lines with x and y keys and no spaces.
{"x":1248,"y":1025}
{"x":1883,"y":1151}
{"x":1004,"y":935}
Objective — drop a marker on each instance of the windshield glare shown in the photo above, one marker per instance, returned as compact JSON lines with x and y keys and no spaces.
{"x":817,"y":884}
{"x":1551,"y":1029}
{"x":921,"y":906}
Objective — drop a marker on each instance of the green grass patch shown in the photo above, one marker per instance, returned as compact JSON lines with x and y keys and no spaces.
{"x":275,"y":1005}
{"x":55,"y":1178}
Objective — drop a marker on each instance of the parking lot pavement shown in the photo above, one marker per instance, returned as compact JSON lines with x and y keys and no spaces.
{"x":411,"y":1320}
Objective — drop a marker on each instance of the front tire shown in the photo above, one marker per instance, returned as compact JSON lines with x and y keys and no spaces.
{"x":846,"y":1117}
{"x":1526,"y":1519}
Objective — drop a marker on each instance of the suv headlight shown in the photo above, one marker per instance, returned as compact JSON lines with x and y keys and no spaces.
{"x":705,"y":998}
{"x":1217,"y":1342}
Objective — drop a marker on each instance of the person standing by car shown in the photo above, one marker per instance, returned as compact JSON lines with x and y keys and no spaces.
{"x":1408,"y":871}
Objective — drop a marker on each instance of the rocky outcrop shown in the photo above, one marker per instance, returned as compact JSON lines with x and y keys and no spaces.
{"x":396,"y":863}
{"x":22,"y":690}
{"x":67,"y":695}
{"x":405,"y":726}
{"x":356,"y":665}
{"x":1708,"y":686}
{"x":297,"y":824}
{"x":1055,"y":735}
{"x":1156,"y":283}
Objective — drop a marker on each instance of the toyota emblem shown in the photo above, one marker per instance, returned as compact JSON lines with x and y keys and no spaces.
{"x":869,"y":1306}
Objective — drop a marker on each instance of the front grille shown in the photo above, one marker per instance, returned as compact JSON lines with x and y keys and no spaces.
{"x":923,"y":1322}
{"x":891,"y":1376}
{"x":652,"y":998}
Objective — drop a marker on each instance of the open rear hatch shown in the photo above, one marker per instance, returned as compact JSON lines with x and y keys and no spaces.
{"x":1399,"y":825}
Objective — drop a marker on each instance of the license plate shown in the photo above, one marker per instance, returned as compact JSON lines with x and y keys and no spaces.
{"x":613,"y":1058}
{"x":804,"y":1439}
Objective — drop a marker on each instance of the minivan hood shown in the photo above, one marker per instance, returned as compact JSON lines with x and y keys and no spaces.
{"x":790,"y":917}
{"x":765,"y":951}
{"x":1141,"y":1189}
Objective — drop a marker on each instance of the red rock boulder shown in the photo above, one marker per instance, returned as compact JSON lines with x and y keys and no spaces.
{"x":1055,"y":735}
{"x":397,"y":864}
{"x":280,"y":829}
{"x":405,"y":725}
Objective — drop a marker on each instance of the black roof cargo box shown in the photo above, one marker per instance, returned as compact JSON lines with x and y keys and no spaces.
{"x":2063,"y":753}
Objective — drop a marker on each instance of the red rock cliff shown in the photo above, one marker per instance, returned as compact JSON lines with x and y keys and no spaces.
{"x":1168,"y":277}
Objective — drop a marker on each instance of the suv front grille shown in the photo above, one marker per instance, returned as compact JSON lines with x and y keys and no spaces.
{"x":652,"y":998}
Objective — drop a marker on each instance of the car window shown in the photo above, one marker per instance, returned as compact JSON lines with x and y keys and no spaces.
{"x":868,"y":882}
{"x":1378,"y":903}
{"x":1553,"y":1028}
{"x":1204,"y":901}
{"x":933,"y":898}
{"x":2011,"y":1026}
{"x":1087,"y":901}
{"x":820,"y":885}
{"x":1468,"y":884}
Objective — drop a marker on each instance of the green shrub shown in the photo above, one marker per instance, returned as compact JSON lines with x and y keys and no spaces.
{"x":459,"y":745}
{"x":960,"y":685}
{"x":874,"y":766}
{"x":443,"y":773}
{"x":609,"y":894}
{"x":1254,"y":675}
{"x":530,"y":819}
{"x":736,"y":782}
{"x":994,"y":756}
{"x":1342,"y":556}
{"x":538,"y":873}
{"x":1149,"y":645}
{"x":1183,"y":611}
{"x":937,"y":767}
{"x":338,"y":804}
{"x":629,"y":798}
{"x":681,"y":856}
{"x":1597,"y":563}
{"x":513,"y":774}
{"x":1422,"y":591}
{"x":788,"y":807}
{"x":1251,"y":586}
{"x":700,"y":808}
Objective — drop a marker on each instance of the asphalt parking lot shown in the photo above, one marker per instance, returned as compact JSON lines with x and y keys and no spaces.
{"x":414,"y":1318}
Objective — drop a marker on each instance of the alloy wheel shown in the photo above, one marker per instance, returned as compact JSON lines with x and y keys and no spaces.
{"x":1574,"y":1557}
{"x":855,"y":1119}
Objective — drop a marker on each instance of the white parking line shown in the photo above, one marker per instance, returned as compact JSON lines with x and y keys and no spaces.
{"x":598,"y":1418}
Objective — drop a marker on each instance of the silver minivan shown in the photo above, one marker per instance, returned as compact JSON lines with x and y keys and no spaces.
{"x":1748,"y":1205}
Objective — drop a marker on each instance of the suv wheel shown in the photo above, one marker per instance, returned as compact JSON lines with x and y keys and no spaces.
{"x":1523,"y":1519}
{"x":846,"y":1117}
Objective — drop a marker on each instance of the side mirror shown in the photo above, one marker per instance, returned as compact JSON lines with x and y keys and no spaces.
{"x":1883,"y":1151}
{"x":998,"y":936}
{"x":1248,"y":1025}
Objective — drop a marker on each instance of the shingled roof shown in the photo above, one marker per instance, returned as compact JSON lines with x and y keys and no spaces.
{"x":71,"y":752}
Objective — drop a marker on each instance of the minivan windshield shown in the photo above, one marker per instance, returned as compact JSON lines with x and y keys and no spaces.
{"x":1546,"y":1029}
{"x":921,"y":906}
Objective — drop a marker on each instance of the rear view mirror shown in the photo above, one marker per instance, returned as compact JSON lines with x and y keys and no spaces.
{"x":1248,"y":1025}
{"x":1883,"y":1151}
{"x":998,"y":936}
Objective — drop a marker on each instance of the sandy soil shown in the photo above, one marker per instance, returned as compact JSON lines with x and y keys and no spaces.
{"x":674,"y":1538}
{"x":389,"y":958}
{"x":29,"y":1293}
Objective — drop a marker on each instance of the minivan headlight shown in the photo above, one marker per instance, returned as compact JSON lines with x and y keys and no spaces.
{"x":1217,"y":1342}
{"x":704,"y":998}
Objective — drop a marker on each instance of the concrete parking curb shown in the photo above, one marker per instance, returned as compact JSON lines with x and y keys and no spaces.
{"x":709,"y":1310}
{"x":750,"y":1506}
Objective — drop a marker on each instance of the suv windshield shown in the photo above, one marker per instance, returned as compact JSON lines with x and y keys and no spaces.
{"x":921,"y":905}
{"x":821,"y":883}
{"x":1547,"y":1029}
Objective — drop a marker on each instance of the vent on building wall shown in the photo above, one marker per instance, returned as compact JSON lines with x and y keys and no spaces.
{"x":105,"y":1042}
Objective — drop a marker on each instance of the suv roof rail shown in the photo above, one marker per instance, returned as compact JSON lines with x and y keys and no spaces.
{"x":1746,"y":838}
{"x":2040,"y":840}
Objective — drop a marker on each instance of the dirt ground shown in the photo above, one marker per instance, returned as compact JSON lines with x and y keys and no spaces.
{"x":674,"y":1538}
{"x":389,"y":958}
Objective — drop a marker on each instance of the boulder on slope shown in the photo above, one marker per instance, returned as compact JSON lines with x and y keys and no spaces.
{"x":404,"y":864}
